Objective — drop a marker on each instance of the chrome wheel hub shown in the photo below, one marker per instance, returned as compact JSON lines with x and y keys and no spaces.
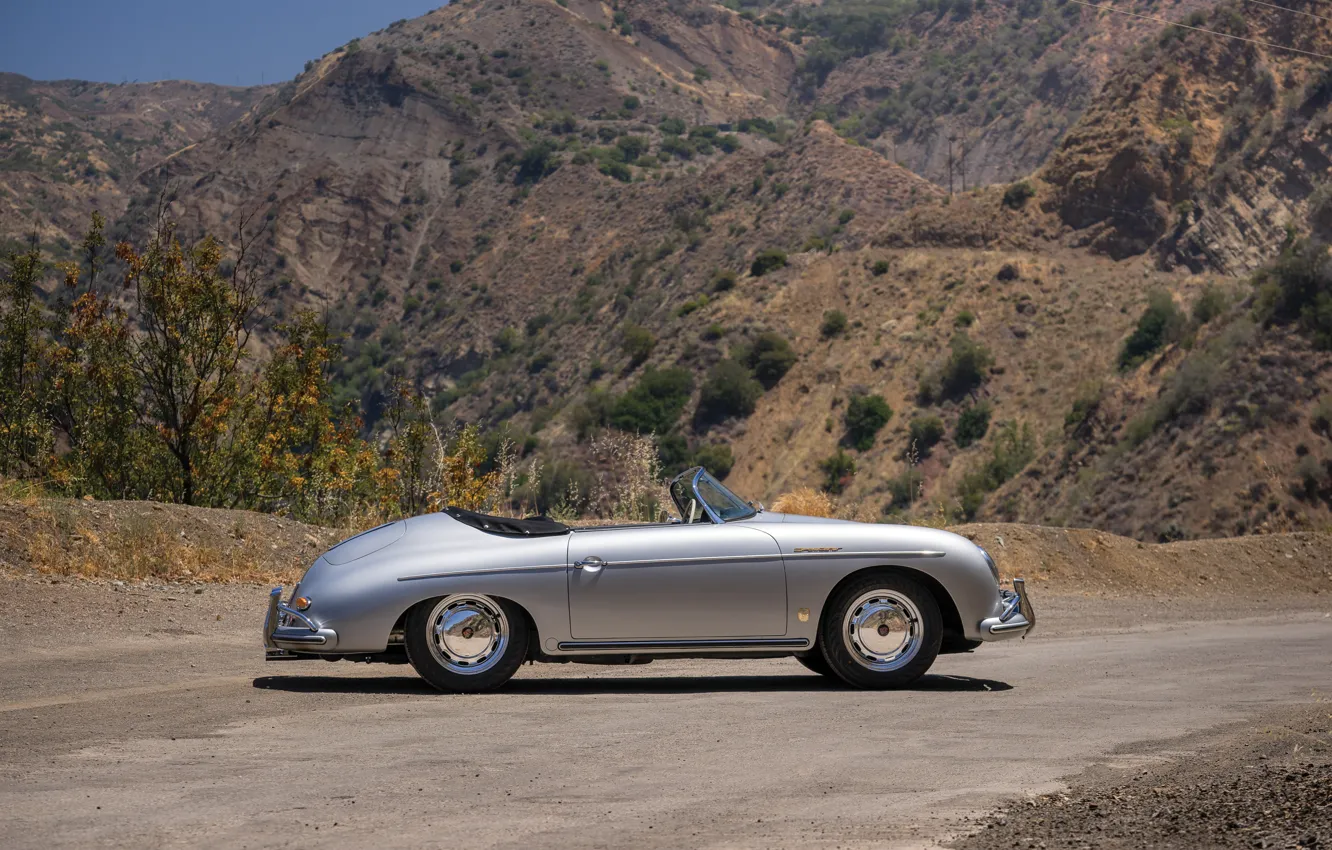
{"x":882,"y":630}
{"x":468,"y":634}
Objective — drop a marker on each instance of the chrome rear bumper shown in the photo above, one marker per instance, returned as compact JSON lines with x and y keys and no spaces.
{"x":1016,"y":617}
{"x":288,"y":632}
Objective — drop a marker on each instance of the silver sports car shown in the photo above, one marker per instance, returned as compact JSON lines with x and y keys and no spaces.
{"x":466,"y":598}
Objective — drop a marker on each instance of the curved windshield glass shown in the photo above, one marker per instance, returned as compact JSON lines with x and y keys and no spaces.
{"x":699,"y":497}
{"x":725,"y":504}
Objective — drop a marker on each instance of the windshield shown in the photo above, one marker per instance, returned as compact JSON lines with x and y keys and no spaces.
{"x":696,"y":485}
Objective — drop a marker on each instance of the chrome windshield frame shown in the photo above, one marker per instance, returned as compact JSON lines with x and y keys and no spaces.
{"x":695,"y":476}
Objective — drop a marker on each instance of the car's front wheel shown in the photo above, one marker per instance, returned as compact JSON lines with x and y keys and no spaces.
{"x":881,"y":630}
{"x":466,"y":642}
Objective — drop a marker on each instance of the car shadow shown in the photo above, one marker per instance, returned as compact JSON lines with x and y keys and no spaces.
{"x":616,"y":684}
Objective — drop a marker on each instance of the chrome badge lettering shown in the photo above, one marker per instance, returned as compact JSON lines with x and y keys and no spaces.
{"x":818,"y":549}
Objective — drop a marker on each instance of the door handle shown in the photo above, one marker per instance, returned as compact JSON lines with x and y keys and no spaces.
{"x":590,"y":564}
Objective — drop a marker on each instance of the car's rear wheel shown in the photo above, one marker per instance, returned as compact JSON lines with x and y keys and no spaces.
{"x":466,"y":642}
{"x":881,"y":630}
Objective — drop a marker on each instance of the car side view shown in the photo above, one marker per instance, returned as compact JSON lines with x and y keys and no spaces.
{"x":466,"y":598}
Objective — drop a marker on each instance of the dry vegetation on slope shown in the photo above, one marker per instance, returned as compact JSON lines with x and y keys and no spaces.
{"x":536,"y":210}
{"x":69,"y":147}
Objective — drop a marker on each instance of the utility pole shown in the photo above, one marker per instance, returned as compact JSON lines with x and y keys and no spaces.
{"x":952,"y":137}
{"x":962,"y":163}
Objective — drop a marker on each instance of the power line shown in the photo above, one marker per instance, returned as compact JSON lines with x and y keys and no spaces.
{"x":1288,"y":9}
{"x":1200,"y":29}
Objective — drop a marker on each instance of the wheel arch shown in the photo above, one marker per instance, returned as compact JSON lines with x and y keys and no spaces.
{"x":948,"y":612}
{"x":534,"y":641}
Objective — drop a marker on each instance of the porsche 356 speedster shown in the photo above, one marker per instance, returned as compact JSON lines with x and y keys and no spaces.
{"x":466,"y":598}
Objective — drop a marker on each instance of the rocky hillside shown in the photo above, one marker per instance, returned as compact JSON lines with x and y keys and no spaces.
{"x":69,"y":147}
{"x":732,"y":227}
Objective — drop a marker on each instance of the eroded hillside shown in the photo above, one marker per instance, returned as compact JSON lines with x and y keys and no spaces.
{"x":557,"y":217}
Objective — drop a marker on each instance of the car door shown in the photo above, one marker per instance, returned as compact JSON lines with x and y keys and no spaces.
{"x":681,"y":581}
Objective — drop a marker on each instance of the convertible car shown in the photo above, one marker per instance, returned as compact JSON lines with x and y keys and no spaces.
{"x":466,"y":598}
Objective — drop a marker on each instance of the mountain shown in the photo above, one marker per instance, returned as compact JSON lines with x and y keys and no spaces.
{"x":69,"y":147}
{"x":538,"y":210}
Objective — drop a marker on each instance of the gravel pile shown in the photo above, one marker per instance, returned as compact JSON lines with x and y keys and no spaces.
{"x":1266,"y":785}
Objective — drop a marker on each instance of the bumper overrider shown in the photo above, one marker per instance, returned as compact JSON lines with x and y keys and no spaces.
{"x":1016,"y":616}
{"x":290,"y":634}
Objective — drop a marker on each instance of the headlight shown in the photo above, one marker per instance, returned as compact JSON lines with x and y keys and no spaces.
{"x":994,"y":569}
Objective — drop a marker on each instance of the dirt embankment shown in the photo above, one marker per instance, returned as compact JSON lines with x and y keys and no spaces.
{"x":141,"y":541}
{"x":148,"y":541}
{"x":1085,"y":560}
{"x":1264,"y":783}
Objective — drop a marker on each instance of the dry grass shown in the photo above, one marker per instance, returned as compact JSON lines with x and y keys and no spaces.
{"x":138,"y":541}
{"x":806,"y":501}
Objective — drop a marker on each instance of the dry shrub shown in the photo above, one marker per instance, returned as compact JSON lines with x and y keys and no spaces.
{"x":629,"y":484}
{"x":118,"y":541}
{"x":806,"y":501}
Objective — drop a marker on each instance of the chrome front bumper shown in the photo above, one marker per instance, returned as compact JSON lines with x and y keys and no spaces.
{"x":1016,"y":617}
{"x":290,"y":635}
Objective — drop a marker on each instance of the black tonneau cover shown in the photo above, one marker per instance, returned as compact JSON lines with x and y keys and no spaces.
{"x":537,"y":526}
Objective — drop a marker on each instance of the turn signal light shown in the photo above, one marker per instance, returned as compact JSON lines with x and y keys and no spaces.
{"x":300,"y":603}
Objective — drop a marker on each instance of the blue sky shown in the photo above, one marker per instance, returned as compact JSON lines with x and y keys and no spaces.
{"x":237,"y":42}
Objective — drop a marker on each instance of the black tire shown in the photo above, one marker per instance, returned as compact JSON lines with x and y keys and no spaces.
{"x":473,"y":614}
{"x":816,"y":663}
{"x":908,"y":616}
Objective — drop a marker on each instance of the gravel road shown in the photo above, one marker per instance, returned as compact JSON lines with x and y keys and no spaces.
{"x":140,"y":716}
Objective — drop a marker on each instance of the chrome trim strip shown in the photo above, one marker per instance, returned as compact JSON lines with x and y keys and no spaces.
{"x":317,"y":640}
{"x":723,"y":643}
{"x":1000,"y":628}
{"x":918,"y":553}
{"x":452,"y":573}
{"x":909,"y":553}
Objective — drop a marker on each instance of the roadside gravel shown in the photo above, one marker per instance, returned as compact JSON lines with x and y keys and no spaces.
{"x":1263,"y":783}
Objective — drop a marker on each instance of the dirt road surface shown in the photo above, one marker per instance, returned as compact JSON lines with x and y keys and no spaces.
{"x":140,"y":716}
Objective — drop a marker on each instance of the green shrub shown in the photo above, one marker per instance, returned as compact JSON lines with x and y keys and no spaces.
{"x":768,"y":260}
{"x":964,"y":319}
{"x":632,"y":103}
{"x":770,"y":357}
{"x":631,"y":147}
{"x":1298,"y":288}
{"x":965,"y":369}
{"x":729,"y":390}
{"x":672,"y":126}
{"x":1212,"y":302}
{"x":655,"y":402}
{"x":1085,"y":404}
{"x":925,"y":432}
{"x":865,"y":417}
{"x":618,"y":170}
{"x":834,"y":323}
{"x":880,"y":268}
{"x":591,"y":413}
{"x":1320,"y":421}
{"x":1017,"y":194}
{"x":838,"y":469}
{"x":536,"y":162}
{"x":972,"y":424}
{"x":716,"y":459}
{"x":903,"y":490}
{"x":1014,"y":447}
{"x":638,"y":343}
{"x":1161,"y":323}
{"x":724,"y":280}
{"x":507,"y":340}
